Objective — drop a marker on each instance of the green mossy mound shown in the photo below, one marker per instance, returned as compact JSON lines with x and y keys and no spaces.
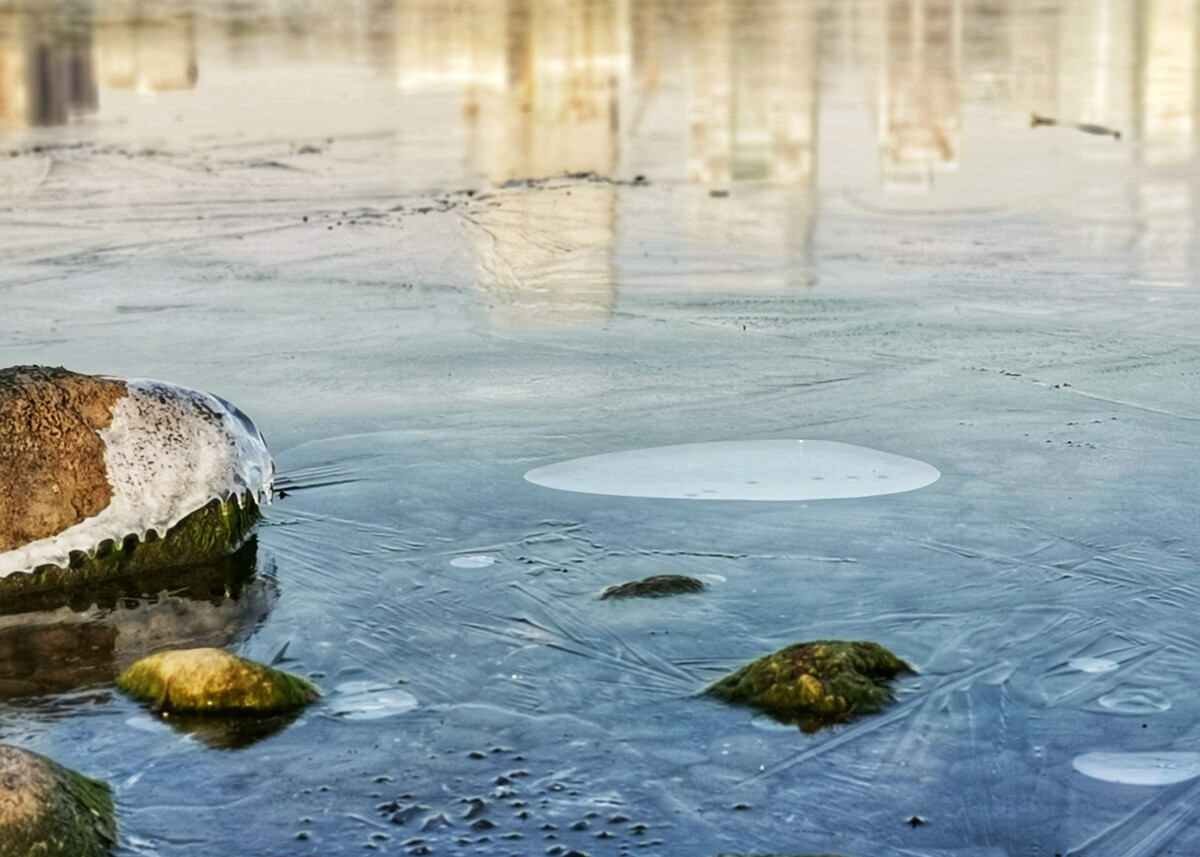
{"x":214,"y":531}
{"x":815,"y":684}
{"x":655,"y":587}
{"x":211,"y":680}
{"x":51,"y":811}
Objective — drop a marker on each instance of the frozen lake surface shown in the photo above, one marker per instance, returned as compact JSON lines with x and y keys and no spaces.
{"x":430,"y":251}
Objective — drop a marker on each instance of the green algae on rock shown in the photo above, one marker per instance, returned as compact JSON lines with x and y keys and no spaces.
{"x":212,"y":680}
{"x":215,"y":531}
{"x":815,"y":684}
{"x":49,"y":810}
{"x":108,"y":477}
{"x":655,"y":587}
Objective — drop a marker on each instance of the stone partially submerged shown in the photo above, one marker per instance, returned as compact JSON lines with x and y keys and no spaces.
{"x":815,"y":684}
{"x":655,"y":586}
{"x":103,"y":477}
{"x":214,"y":681}
{"x":49,"y":810}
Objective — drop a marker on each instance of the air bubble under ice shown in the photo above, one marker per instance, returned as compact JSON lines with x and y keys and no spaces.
{"x":741,"y":470}
{"x":1093,"y":665}
{"x":475,"y":561}
{"x":370,"y":700}
{"x":1135,"y":700}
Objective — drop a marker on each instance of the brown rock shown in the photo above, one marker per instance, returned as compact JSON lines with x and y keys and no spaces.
{"x":52,"y":471}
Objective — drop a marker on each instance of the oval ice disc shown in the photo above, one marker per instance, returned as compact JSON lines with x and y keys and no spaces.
{"x":1140,"y":769}
{"x":740,"y":470}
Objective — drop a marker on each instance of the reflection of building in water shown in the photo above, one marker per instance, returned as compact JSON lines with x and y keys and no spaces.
{"x":1096,"y":64}
{"x":1169,"y":80}
{"x":146,"y":49}
{"x":1034,"y":45}
{"x":752,"y":126}
{"x":752,"y":91}
{"x":540,"y":79}
{"x":1166,"y":198}
{"x":45,"y":68}
{"x":920,"y":91}
{"x":544,"y":253}
{"x":541,"y":82}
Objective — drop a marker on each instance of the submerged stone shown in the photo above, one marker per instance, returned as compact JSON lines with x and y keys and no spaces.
{"x":815,"y":684}
{"x":105,"y":477}
{"x":211,"y":680}
{"x":655,"y":586}
{"x":49,"y":810}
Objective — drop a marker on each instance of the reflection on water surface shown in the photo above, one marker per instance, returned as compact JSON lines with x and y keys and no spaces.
{"x":764,"y":107}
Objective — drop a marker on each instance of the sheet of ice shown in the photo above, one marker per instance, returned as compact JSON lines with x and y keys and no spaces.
{"x":741,"y":470}
{"x":1140,"y":769}
{"x":169,"y":451}
{"x":370,"y":700}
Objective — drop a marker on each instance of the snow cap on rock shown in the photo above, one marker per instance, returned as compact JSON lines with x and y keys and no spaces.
{"x":84,"y":459}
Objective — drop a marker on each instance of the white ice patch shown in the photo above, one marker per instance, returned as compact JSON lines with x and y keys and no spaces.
{"x":169,"y":451}
{"x":1140,"y":769}
{"x":370,"y":700}
{"x":1093,"y":665}
{"x":475,"y":561}
{"x":741,"y":470}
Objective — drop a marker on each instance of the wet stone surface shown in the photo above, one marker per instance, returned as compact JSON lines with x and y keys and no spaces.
{"x":656,"y":586}
{"x":815,"y":684}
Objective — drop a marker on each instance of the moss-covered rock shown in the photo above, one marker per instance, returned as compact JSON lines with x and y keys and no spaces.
{"x":207,"y":534}
{"x":211,"y":680}
{"x":51,"y":811}
{"x":655,"y":587}
{"x":815,"y":684}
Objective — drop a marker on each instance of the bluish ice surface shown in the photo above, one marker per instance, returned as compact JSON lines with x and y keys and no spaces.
{"x":422,"y":284}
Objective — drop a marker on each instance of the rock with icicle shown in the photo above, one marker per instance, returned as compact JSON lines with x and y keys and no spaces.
{"x":102,"y":477}
{"x":49,"y":810}
{"x":655,"y":586}
{"x":214,"y":681}
{"x":815,"y":684}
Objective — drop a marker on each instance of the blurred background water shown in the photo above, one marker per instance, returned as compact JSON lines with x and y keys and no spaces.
{"x":430,"y":246}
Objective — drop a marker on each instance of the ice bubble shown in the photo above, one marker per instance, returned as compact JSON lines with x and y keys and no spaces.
{"x":370,"y":700}
{"x":1140,"y":769}
{"x":475,"y":561}
{"x":740,"y":470}
{"x":1093,"y":665}
{"x":1135,"y":700}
